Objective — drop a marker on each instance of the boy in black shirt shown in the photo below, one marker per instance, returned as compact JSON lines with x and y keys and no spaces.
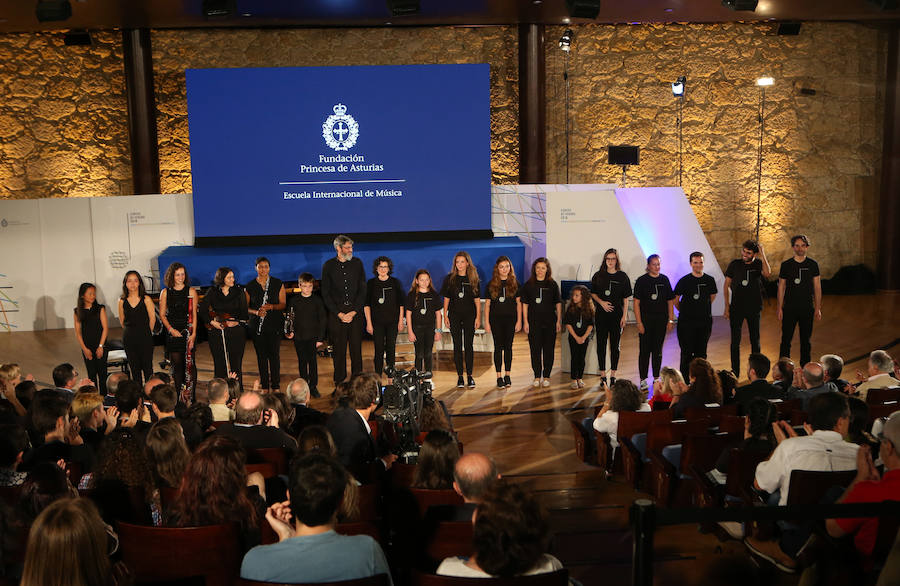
{"x":306,"y":324}
{"x":694,"y":295}
{"x":743,"y":283}
{"x":799,"y":298}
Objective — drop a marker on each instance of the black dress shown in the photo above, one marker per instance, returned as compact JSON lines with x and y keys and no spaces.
{"x":177,"y":313}
{"x":138,"y":340}
{"x":91,"y":332}
{"x":233,"y":304}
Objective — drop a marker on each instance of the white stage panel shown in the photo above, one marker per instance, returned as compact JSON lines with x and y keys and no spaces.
{"x":21,"y":285}
{"x":67,"y":253}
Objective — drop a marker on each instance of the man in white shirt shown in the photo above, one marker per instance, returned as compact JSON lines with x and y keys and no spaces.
{"x":880,"y":367}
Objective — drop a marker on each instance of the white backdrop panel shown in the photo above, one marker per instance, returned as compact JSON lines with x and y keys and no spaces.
{"x":21,"y":295}
{"x":66,"y":250}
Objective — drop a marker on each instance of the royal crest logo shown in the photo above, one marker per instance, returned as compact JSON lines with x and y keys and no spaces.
{"x":340,"y":130}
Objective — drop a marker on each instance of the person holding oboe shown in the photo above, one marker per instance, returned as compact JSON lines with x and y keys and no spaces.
{"x":266,"y":300}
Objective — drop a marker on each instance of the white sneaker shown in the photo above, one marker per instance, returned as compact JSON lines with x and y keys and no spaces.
{"x":536,"y":383}
{"x":580,"y":383}
{"x":574,"y":384}
{"x":545,"y":383}
{"x":733,"y":528}
{"x":644,"y":386}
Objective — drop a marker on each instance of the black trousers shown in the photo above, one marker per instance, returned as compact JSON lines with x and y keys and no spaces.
{"x":424,"y":345}
{"x":791,"y":318}
{"x":503,"y":330}
{"x":139,"y":351}
{"x":96,"y":368}
{"x":542,"y":342}
{"x":608,"y":325}
{"x":693,"y":336}
{"x":736,"y":317}
{"x":235,"y":340}
{"x":385,"y":337}
{"x":306,"y":358}
{"x":577,"y":352}
{"x":342,"y":335}
{"x":650,"y":344}
{"x":462,"y":330}
{"x":268,"y":358}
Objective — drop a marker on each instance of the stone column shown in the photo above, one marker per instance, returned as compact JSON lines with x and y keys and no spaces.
{"x":141,"y":110}
{"x":889,"y":204}
{"x":532,"y":105}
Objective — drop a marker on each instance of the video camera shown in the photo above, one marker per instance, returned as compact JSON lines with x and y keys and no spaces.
{"x":402,"y":402}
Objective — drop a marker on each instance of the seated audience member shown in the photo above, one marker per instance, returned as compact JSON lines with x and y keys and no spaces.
{"x":728,"y":383}
{"x":218,"y":400}
{"x":11,"y":408}
{"x":349,"y":426}
{"x":622,"y":395}
{"x":809,"y":382}
{"x":255,"y":427}
{"x":13,"y":444}
{"x":315,"y":439}
{"x":70,"y":544}
{"x":59,"y":435}
{"x":95,"y":422}
{"x":473,"y":476}
{"x":234,"y":389}
{"x":704,"y":389}
{"x":664,"y":387}
{"x":870,"y":487}
{"x":151,"y":383}
{"x":783,"y":374}
{"x":511,"y":537}
{"x":167,"y":453}
{"x":112,"y":387}
{"x":215,"y":489}
{"x":304,"y":415}
{"x":823,"y":450}
{"x":308,"y":549}
{"x":758,"y":366}
{"x":834,"y":366}
{"x":278,"y":402}
{"x":45,"y":484}
{"x":880,"y":368}
{"x":434,"y":416}
{"x":437,"y":460}
{"x":200,"y":415}
{"x":163,"y":399}
{"x":120,"y":472}
{"x":25,"y":392}
{"x":132,"y":411}
{"x":859,"y":423}
{"x":65,"y":379}
{"x":758,"y":436}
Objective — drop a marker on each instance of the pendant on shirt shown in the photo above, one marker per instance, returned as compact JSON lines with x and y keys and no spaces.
{"x":422,"y":311}
{"x":654,"y":296}
{"x":501,"y":299}
{"x":538,"y":300}
{"x":745,"y":282}
{"x":607,"y":292}
{"x":381,"y":300}
{"x":578,"y":324}
{"x":461,"y":294}
{"x":696,"y":296}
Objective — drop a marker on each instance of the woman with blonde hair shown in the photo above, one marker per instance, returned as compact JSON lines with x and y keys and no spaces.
{"x":10,"y":377}
{"x":462,"y":313}
{"x":666,"y":385}
{"x":503,"y":316}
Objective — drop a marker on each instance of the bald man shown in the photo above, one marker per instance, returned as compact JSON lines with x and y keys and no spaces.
{"x":255,"y":427}
{"x":810,"y":382}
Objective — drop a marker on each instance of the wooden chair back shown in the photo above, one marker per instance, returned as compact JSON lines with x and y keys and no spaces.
{"x":158,"y":554}
{"x":660,"y":405}
{"x":808,"y":487}
{"x":741,"y":473}
{"x":450,"y":538}
{"x":660,"y":435}
{"x":167,"y":496}
{"x":714,"y":414}
{"x":427,"y":498}
{"x":276,"y":456}
{"x":402,"y":474}
{"x":700,"y":452}
{"x":882,"y":410}
{"x":557,"y":578}
{"x":632,"y":422}
{"x":377,"y":580}
{"x":732,"y":424}
{"x":784,"y":408}
{"x":876,"y":396}
{"x":370,"y":502}
{"x":581,"y":439}
{"x":267,"y":469}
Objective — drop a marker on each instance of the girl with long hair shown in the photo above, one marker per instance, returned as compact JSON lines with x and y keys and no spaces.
{"x":384,"y":311}
{"x":91,"y":329}
{"x":542,"y":318}
{"x":224,"y":309}
{"x":503,"y":316}
{"x":437,"y":459}
{"x":462,"y":310}
{"x":177,"y":309}
{"x":654,"y":312}
{"x":610,"y":290}
{"x":138,"y":317}
{"x":579,"y":322}
{"x":665,"y":387}
{"x":423,"y":319}
{"x":167,"y":453}
{"x":704,"y":389}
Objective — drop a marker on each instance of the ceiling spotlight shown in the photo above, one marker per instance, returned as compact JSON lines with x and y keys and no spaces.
{"x":740,"y":5}
{"x":565,"y":41}
{"x":765,"y":81}
{"x":678,"y":87}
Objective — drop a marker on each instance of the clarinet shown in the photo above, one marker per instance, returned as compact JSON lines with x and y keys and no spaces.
{"x":265,"y":300}
{"x":289,"y":323}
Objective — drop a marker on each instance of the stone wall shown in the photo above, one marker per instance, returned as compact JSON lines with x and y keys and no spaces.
{"x":822,"y":153}
{"x":63,"y":117}
{"x":177,"y":50}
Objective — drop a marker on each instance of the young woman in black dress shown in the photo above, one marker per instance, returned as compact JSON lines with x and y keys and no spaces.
{"x":224,"y":310}
{"x":503,"y":316}
{"x":91,"y":329}
{"x":384,"y":311}
{"x":138,"y":318}
{"x":462,"y":308}
{"x":266,"y":301}
{"x":177,"y":308}
{"x":542,"y":319}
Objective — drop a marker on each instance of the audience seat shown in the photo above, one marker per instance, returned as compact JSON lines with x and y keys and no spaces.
{"x":660,"y":435}
{"x":377,"y":580}
{"x":267,"y":469}
{"x":370,"y":507}
{"x":630,"y":423}
{"x":784,"y":408}
{"x":426,"y":498}
{"x":449,"y":538}
{"x":880,"y":410}
{"x":277,"y":456}
{"x":808,"y":487}
{"x":714,"y":414}
{"x":733,"y":425}
{"x":402,"y":474}
{"x":582,"y":441}
{"x":558,"y":578}
{"x":741,"y":474}
{"x":885,"y":395}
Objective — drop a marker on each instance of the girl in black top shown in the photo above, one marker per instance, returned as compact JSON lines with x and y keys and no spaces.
{"x":542,"y":318}
{"x":423,"y":318}
{"x":223,"y":309}
{"x":579,"y":322}
{"x":178,"y":313}
{"x":610,"y":290}
{"x":503,"y":316}
{"x":694,"y":295}
{"x":138,"y":317}
{"x":384,"y":311}
{"x":265,"y":301}
{"x":462,"y":307}
{"x":654,"y":312}
{"x":91,"y":329}
{"x":306,"y":322}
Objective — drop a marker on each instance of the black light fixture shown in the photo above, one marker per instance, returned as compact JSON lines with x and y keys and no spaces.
{"x":77,"y":38}
{"x":53,"y":10}
{"x":565,"y":43}
{"x":219,"y":8}
{"x":741,"y":5}
{"x":403,"y":7}
{"x":588,"y":9}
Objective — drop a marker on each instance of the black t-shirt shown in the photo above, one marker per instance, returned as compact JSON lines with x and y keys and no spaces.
{"x":503,"y":304}
{"x":423,"y":306}
{"x":654,"y":294}
{"x":614,"y":288}
{"x":541,"y":298}
{"x":461,"y":294}
{"x":746,"y":284}
{"x":310,"y":318}
{"x":579,"y":322}
{"x":274,"y":321}
{"x":695,"y":295}
{"x":384,"y":299}
{"x":798,"y":277}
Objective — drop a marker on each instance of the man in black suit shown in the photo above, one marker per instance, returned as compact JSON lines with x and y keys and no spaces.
{"x":349,"y":426}
{"x":758,"y":366}
{"x":257,"y":428}
{"x":163,"y":400}
{"x":304,"y":415}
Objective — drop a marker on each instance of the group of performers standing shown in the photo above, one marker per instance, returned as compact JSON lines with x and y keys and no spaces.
{"x":349,"y":304}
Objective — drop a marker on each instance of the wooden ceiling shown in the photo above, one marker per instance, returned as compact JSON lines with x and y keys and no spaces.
{"x":19,"y":15}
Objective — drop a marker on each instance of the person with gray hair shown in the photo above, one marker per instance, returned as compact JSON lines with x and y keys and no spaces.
{"x":112,"y":385}
{"x":880,"y":367}
{"x":834,"y":366}
{"x":255,"y":427}
{"x":344,"y":294}
{"x":304,"y":415}
{"x":809,"y":382}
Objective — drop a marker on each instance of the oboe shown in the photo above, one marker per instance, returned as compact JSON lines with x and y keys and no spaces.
{"x":265,"y":300}
{"x":289,"y":323}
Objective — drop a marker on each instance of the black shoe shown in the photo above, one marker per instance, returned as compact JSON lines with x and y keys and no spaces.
{"x":471,"y":382}
{"x":603,"y":383}
{"x":460,"y":383}
{"x":500,"y":383}
{"x":612,"y":380}
{"x":315,"y":393}
{"x":506,"y":381}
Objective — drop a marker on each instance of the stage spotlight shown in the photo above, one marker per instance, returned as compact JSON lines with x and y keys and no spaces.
{"x":565,"y":41}
{"x":740,"y":5}
{"x":53,"y":10}
{"x":765,"y":81}
{"x":678,"y":87}
{"x":588,"y":9}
